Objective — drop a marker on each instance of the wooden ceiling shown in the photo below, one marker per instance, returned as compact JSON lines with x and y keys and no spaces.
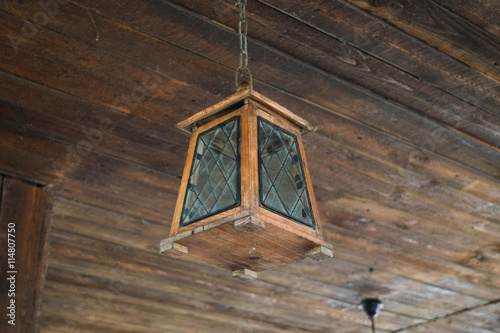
{"x":405,"y":163}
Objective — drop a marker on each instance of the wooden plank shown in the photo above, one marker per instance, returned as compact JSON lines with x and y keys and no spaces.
{"x":374,"y":220}
{"x":104,"y":233}
{"x":470,"y":271}
{"x":360,"y":68}
{"x":486,"y":317}
{"x":92,"y":137}
{"x":405,"y":203}
{"x":204,"y":303}
{"x":294,"y":277}
{"x":91,"y":306}
{"x":444,"y":30}
{"x":399,"y":263}
{"x":395,"y":195}
{"x":416,"y":301}
{"x":232,"y":249}
{"x":136,"y":90}
{"x":389,"y":284}
{"x":409,"y":178}
{"x":97,"y":171}
{"x":434,"y":245}
{"x":404,"y":200}
{"x":450,"y":324}
{"x":207,"y":248}
{"x":371,"y":36}
{"x":25,"y":223}
{"x":273,"y":67}
{"x":160,"y":316}
{"x":2,"y":177}
{"x":244,"y":274}
{"x":249,"y":161}
{"x":483,"y":14}
{"x":40,"y":98}
{"x":371,"y":279}
{"x":327,"y":87}
{"x":285,"y":298}
{"x":404,"y":293}
{"x":93,"y":231}
{"x":320,"y":253}
{"x":414,"y":166}
{"x":256,"y":245}
{"x":64,"y":208}
{"x":117,"y":228}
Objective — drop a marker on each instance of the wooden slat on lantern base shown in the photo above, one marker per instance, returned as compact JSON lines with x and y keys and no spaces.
{"x":249,"y":224}
{"x":320,"y":253}
{"x":176,"y":249}
{"x":264,"y":245}
{"x":244,"y":274}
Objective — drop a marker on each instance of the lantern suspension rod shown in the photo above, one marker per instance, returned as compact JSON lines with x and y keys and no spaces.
{"x":242,"y":31}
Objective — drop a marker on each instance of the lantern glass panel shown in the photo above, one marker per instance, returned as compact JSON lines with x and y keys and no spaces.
{"x":214,"y":181}
{"x":282,"y":183}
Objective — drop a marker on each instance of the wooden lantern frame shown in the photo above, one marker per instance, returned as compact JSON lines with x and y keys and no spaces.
{"x":247,"y":238}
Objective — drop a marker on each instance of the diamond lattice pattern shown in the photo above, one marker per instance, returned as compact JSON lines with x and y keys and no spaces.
{"x":282,"y":182}
{"x":215,"y":174}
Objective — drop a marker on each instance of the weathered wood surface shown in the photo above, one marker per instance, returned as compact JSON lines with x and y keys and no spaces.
{"x":25,"y":223}
{"x":442,"y":29}
{"x":308,"y":277}
{"x":484,"y":16}
{"x":353,"y":102}
{"x":369,"y":54}
{"x":405,"y":162}
{"x":230,"y":292}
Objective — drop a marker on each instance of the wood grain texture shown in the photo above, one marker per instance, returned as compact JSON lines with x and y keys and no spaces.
{"x":404,"y":164}
{"x":356,"y":43}
{"x":443,"y":30}
{"x":484,"y":16}
{"x":25,"y":224}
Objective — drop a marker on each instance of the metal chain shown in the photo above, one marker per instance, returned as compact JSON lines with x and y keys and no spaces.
{"x":243,"y":30}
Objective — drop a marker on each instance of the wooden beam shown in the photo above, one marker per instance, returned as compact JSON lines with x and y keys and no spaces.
{"x":24,"y":224}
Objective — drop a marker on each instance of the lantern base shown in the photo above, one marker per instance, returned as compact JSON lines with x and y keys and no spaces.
{"x":251,"y":241}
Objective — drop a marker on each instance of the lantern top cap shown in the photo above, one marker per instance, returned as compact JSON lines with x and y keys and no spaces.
{"x":244,"y":93}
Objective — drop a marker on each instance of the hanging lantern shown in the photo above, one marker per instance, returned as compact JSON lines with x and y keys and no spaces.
{"x":246,"y":202}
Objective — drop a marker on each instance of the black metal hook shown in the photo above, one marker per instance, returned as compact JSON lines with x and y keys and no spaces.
{"x":372,"y":307}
